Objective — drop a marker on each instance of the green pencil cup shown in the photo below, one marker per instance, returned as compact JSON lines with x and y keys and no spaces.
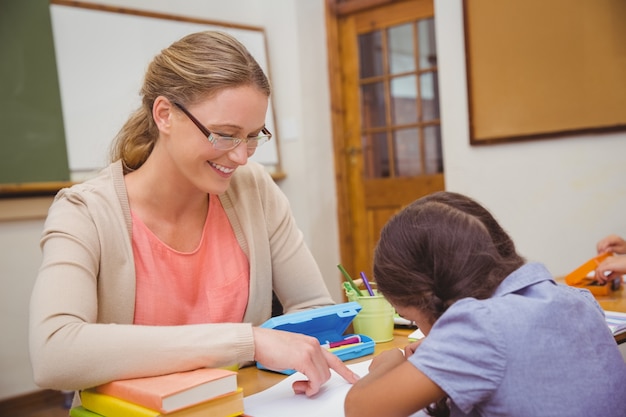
{"x":375,"y":319}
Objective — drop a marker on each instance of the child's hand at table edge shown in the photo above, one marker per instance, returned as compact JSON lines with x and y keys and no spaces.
{"x":386,"y":360}
{"x":412,"y":347}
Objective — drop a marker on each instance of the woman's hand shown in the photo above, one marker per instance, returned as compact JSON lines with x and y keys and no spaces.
{"x":279,"y":350}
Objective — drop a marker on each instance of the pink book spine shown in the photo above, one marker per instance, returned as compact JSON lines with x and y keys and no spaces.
{"x":146,"y":399}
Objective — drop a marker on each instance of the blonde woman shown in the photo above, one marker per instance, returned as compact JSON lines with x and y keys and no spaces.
{"x":167,"y":260}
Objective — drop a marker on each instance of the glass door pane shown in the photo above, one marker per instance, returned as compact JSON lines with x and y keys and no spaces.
{"x":399,"y":99}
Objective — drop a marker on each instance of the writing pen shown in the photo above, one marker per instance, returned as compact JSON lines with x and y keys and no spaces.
{"x":349,"y":278}
{"x":351,"y":340}
{"x":367,"y":284}
{"x":343,"y":347}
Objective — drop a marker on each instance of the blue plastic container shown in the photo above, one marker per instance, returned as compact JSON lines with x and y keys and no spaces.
{"x":327,"y":324}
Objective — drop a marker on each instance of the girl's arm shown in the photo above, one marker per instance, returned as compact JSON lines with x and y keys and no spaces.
{"x":393,"y":387}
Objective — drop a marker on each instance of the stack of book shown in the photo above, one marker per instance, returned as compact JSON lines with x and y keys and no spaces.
{"x":202,"y":392}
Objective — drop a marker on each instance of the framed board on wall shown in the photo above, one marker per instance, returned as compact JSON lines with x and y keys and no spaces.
{"x":102,"y":53}
{"x":540,"y":68}
{"x":33,"y":157}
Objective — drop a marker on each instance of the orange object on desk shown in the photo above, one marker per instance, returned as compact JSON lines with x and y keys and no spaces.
{"x":580,"y":277}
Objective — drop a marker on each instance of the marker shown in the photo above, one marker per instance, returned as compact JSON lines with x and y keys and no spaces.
{"x":349,"y":278}
{"x":367,"y":284}
{"x":350,"y":346}
{"x":347,"y":341}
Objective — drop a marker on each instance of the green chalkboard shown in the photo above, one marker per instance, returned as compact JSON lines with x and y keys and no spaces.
{"x":32,"y":137}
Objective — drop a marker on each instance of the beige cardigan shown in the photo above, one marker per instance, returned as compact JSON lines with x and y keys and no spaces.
{"x":82,"y":305}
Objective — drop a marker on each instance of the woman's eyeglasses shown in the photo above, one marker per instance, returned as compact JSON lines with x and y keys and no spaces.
{"x":226,"y":143}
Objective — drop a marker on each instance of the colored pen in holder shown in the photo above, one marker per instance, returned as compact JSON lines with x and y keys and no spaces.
{"x":375,"y":319}
{"x":367,"y":284}
{"x":350,"y":280}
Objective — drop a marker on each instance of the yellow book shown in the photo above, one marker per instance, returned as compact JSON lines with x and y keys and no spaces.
{"x":112,"y":406}
{"x":228,"y":405}
{"x":81,"y":411}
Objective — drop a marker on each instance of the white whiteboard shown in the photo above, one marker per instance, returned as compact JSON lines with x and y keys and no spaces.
{"x":102,"y":56}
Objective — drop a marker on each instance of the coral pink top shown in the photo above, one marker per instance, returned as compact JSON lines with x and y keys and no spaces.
{"x":207,"y":285}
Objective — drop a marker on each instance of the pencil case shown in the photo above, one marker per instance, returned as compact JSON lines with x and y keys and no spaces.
{"x":580,"y":277}
{"x":327,"y":325}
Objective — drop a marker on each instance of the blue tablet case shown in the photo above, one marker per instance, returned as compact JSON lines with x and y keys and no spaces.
{"x":327,"y":324}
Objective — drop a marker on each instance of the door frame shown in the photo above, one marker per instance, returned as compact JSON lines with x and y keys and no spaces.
{"x":336,"y":12}
{"x":337,"y":127}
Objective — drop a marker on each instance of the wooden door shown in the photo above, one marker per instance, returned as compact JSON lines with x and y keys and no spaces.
{"x":386,"y":127}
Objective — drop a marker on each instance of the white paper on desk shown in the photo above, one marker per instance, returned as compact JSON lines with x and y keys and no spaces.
{"x":280,"y":400}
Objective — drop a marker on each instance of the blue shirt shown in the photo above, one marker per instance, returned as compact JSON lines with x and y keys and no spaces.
{"x":535,"y":348}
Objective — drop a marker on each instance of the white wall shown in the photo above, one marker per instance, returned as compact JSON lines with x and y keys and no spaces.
{"x":20,"y":257}
{"x":556,"y":197}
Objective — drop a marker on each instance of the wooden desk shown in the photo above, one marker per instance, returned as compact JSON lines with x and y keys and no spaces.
{"x":616,"y":301}
{"x":253,"y":380}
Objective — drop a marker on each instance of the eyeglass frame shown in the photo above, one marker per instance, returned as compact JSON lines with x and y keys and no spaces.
{"x":211,"y":137}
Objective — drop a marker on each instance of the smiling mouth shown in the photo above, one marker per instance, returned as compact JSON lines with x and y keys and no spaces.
{"x":222,"y":168}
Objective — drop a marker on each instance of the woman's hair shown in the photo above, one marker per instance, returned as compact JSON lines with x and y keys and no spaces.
{"x":439,"y":249}
{"x":193,"y":68}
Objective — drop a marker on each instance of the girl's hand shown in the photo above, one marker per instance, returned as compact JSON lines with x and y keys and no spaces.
{"x":412,"y":347}
{"x":386,"y":360}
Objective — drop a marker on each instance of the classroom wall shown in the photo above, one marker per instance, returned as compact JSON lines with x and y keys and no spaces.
{"x":556,"y":197}
{"x":20,"y":228}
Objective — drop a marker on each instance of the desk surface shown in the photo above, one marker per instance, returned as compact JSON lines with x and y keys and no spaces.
{"x":616,"y":301}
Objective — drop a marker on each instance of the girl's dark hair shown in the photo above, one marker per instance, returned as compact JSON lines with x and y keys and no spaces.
{"x":440,"y":249}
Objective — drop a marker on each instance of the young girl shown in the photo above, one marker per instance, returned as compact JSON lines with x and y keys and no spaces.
{"x":503,"y":339}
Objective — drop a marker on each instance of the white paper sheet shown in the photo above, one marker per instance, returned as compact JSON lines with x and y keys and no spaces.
{"x":280,"y":400}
